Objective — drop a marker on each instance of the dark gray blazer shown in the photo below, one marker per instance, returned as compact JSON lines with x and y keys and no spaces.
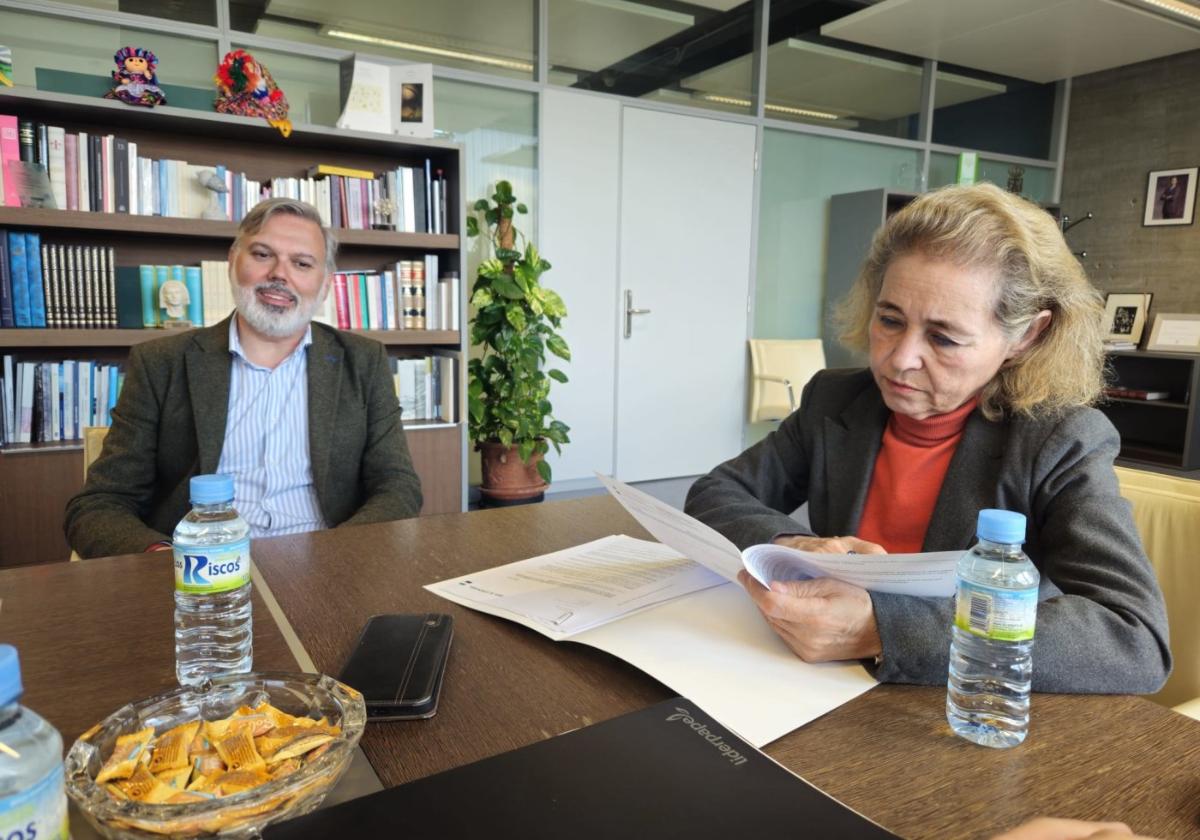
{"x":1101,"y":623}
{"x":169,"y":424}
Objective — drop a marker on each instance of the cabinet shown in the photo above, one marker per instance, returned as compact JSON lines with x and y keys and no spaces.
{"x":1166,"y":431}
{"x":36,"y":480}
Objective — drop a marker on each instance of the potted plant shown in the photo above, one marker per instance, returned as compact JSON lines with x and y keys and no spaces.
{"x":515,"y":323}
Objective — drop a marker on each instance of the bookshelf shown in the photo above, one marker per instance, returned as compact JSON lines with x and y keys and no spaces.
{"x":1161,"y":432}
{"x":36,"y":480}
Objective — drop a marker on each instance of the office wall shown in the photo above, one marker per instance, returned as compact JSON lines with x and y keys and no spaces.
{"x":1123,"y":124}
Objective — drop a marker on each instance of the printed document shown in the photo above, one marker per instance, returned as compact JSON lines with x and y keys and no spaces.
{"x":672,"y":609}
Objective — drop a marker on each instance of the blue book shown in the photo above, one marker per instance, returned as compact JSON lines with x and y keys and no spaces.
{"x":33,"y":276}
{"x":149,"y":296}
{"x":195,"y":295}
{"x":222,"y":200}
{"x":6,"y":289}
{"x":20,"y":286}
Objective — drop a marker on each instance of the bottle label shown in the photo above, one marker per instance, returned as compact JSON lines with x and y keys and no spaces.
{"x":38,"y":813}
{"x":1006,"y":615}
{"x":211,"y":568}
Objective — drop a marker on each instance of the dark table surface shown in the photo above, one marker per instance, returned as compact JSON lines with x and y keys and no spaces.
{"x":96,"y":634}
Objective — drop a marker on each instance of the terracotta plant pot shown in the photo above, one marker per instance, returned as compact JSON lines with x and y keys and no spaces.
{"x":506,"y":478}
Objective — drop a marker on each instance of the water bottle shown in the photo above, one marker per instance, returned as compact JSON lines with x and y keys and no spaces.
{"x":33,"y":801}
{"x":987,"y":697}
{"x":213,"y":625}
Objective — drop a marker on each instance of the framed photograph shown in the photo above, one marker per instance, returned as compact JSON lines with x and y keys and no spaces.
{"x":1171,"y":197}
{"x":412,"y":87}
{"x":1125,"y":317}
{"x":1177,"y":333}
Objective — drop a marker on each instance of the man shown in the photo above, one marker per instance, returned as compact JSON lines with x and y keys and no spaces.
{"x":304,"y":417}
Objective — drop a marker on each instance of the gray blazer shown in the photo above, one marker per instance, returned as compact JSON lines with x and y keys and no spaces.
{"x":1101,"y":623}
{"x":169,"y":424}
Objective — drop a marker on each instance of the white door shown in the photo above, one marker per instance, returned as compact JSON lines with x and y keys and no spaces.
{"x":686,"y":202}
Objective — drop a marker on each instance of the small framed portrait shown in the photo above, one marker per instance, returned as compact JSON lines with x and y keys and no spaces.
{"x":1125,"y":317}
{"x":1175,"y":333}
{"x":412,"y":114}
{"x":1171,"y":197}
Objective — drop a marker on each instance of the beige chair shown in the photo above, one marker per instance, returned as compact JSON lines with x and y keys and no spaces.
{"x":779,"y":370}
{"x":1166,"y":511}
{"x":93,"y":443}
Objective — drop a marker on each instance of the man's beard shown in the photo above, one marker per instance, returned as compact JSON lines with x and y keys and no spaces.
{"x":274,"y":321}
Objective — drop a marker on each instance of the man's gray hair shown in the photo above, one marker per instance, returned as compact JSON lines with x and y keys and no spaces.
{"x":254,"y":221}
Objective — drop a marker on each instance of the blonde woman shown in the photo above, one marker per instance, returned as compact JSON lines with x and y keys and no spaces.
{"x":983,"y":336}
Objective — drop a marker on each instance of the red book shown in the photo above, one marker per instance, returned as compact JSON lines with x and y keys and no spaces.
{"x":341,"y":301}
{"x":1136,"y":394}
{"x":354,"y":301}
{"x":71,"y":157}
{"x":10,"y":149}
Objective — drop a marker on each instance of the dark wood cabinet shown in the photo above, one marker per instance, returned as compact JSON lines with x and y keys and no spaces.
{"x":1161,"y":431}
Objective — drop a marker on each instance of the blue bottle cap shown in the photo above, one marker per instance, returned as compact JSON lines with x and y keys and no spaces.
{"x":1001,"y":526}
{"x":211,"y":489}
{"x":10,"y":675}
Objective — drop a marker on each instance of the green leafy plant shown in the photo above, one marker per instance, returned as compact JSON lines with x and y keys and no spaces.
{"x":515,"y":323}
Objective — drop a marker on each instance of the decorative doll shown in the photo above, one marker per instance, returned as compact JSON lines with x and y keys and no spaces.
{"x":134,"y":81}
{"x":245,"y":88}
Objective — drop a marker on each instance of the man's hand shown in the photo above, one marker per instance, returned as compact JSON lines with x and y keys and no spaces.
{"x":821,"y":619}
{"x":831,"y":545}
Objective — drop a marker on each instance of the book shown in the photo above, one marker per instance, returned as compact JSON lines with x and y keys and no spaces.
{"x":1136,"y":393}
{"x":9,"y":150}
{"x":56,"y":164}
{"x":319,"y":169}
{"x":7,"y":320}
{"x":20,"y":285}
{"x":31,"y":183}
{"x":71,"y":162}
{"x":35,"y":279}
{"x":667,"y":771}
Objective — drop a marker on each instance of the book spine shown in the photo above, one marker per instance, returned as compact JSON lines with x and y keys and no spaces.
{"x":96,"y":173}
{"x":131,"y":178}
{"x":390,"y":310}
{"x":108,"y":197}
{"x":33,"y":275}
{"x":10,"y":150}
{"x":70,"y":265}
{"x":195,"y":294}
{"x":71,"y":163}
{"x":120,"y":169}
{"x":110,"y":285}
{"x":42,"y":152}
{"x":57,"y":165}
{"x":146,"y":275}
{"x":83,"y":161}
{"x":341,"y":301}
{"x":6,"y":290}
{"x":50,"y":265}
{"x":27,"y":136}
{"x":20,"y":284}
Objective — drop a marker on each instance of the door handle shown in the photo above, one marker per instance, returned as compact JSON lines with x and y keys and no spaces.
{"x":630,"y":312}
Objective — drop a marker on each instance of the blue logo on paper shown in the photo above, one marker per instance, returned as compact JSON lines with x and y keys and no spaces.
{"x":193,"y":564}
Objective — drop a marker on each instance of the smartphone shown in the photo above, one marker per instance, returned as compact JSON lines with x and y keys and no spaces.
{"x":398,"y":663}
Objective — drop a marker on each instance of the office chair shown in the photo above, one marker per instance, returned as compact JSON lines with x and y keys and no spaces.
{"x":93,"y":443}
{"x":1166,"y":511}
{"x":779,"y":370}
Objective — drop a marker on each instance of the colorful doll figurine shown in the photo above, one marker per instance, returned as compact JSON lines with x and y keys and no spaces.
{"x":245,"y":88}
{"x":134,"y":81}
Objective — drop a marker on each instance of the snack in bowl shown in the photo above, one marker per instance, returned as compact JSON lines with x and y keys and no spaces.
{"x":227,"y":757}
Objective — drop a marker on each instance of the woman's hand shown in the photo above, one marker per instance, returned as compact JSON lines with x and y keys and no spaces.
{"x":830,"y":545}
{"x":820,"y":619}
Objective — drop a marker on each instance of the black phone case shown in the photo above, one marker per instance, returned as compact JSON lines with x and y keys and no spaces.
{"x":398,"y":663}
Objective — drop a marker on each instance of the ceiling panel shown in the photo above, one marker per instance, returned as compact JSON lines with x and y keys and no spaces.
{"x":1038,"y":40}
{"x":803,"y":74}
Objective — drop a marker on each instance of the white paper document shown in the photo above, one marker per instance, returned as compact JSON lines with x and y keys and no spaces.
{"x":673,"y":619}
{"x":928,"y":574}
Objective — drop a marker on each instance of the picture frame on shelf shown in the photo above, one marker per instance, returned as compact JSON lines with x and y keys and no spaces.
{"x":1175,"y":332}
{"x":1125,"y":318}
{"x":1171,"y":197}
{"x":413,"y":85}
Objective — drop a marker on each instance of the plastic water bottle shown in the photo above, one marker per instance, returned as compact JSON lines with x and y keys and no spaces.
{"x":213,"y":624}
{"x":33,"y":801}
{"x":987,"y":698}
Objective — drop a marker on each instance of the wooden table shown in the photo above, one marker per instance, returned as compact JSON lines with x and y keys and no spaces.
{"x":96,"y":634}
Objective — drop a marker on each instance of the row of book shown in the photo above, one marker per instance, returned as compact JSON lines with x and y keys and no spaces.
{"x":105,"y":173}
{"x":44,"y":285}
{"x":49,"y":401}
{"x":426,"y":389}
{"x":400,"y":299}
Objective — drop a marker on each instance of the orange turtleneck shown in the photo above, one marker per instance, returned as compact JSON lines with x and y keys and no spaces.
{"x":908,"y":475}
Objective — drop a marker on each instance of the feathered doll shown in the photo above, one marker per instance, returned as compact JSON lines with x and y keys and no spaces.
{"x":245,"y":88}
{"x":135,"y":81}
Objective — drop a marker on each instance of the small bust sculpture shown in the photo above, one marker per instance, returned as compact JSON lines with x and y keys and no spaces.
{"x":173,"y":298}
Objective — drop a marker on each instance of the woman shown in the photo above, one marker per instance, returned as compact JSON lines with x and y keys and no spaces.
{"x":983,"y":335}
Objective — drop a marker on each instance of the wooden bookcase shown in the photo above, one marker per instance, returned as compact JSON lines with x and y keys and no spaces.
{"x":1164,"y":432}
{"x":36,"y":481}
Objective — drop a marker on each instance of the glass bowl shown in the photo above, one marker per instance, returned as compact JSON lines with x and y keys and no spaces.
{"x":240,"y":815}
